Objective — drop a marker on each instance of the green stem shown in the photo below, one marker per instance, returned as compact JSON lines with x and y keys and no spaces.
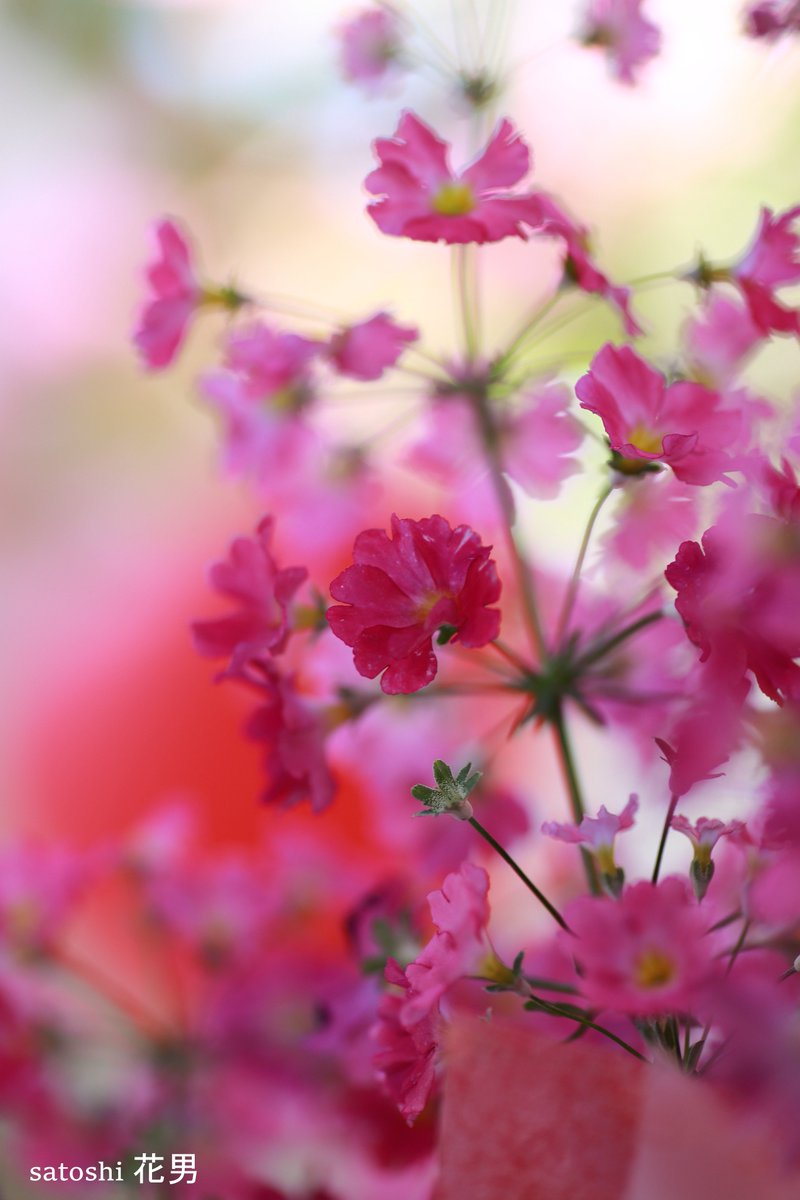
{"x":673,"y":804}
{"x":738,"y":947}
{"x":602,"y":648}
{"x":575,"y":795}
{"x":518,"y":871}
{"x":522,"y":333}
{"x":553,"y":1010}
{"x":575,"y":579}
{"x":465,"y":289}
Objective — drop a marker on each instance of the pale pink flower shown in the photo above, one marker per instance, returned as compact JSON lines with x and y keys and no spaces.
{"x":365,"y":350}
{"x":644,"y":954}
{"x":597,"y":833}
{"x":705,"y":833}
{"x":262,"y":591}
{"x":629,"y":39}
{"x":683,"y":425}
{"x":579,"y":266}
{"x":460,"y":912}
{"x":654,"y":514}
{"x":423,"y":199}
{"x":718,"y":339}
{"x":176,"y":294}
{"x":370,"y":47}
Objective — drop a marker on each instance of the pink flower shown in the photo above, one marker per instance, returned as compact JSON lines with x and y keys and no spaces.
{"x":460,"y":912}
{"x":682,"y":424}
{"x":176,"y":294}
{"x":718,"y":340}
{"x":628,"y":37}
{"x":644,"y":954}
{"x":421,"y":197}
{"x":771,"y":18}
{"x":406,"y":1058}
{"x":579,"y":266}
{"x":293,"y":733}
{"x":707,"y":728}
{"x":655,"y":514}
{"x":251,"y":577}
{"x":370,"y":46}
{"x":771,"y":261}
{"x":401,"y":590}
{"x":704,"y":833}
{"x":597,"y":833}
{"x":364,"y":351}
{"x":739,"y":595}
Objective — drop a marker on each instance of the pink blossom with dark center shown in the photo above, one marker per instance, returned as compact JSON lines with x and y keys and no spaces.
{"x":596,"y":833}
{"x":370,"y":46}
{"x":401,"y":590}
{"x":262,"y":591}
{"x":629,"y":39}
{"x":771,"y":261}
{"x":406,"y":1056}
{"x":364,"y":351}
{"x":422,"y":198}
{"x":293,"y":733}
{"x":683,"y":425}
{"x":646,"y":953}
{"x":579,"y":266}
{"x":176,"y":294}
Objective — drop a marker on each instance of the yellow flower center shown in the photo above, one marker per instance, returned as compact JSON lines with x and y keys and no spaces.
{"x":454,"y":199}
{"x":646,"y":440}
{"x":653,"y":969}
{"x":428,"y":604}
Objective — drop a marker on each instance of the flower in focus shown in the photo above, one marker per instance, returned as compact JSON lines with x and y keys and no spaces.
{"x":579,"y":266}
{"x":176,"y":294}
{"x":401,"y":590}
{"x":251,"y":577}
{"x":681,"y":424}
{"x":597,"y":834}
{"x":370,"y":47}
{"x":421,"y":198}
{"x":364,"y":351}
{"x":629,"y":39}
{"x":643,"y":954}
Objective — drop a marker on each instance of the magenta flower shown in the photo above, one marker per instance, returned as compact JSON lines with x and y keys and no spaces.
{"x":629,"y":39}
{"x":406,"y":1058}
{"x":422,"y":198}
{"x":597,"y":833}
{"x":176,"y":294}
{"x":739,"y":595}
{"x":251,"y":577}
{"x":771,"y":261}
{"x":293,"y":733}
{"x":364,"y":351}
{"x":370,"y":46}
{"x":682,"y":425}
{"x":719,"y":339}
{"x":579,"y":266}
{"x":401,"y":590}
{"x":644,"y":954}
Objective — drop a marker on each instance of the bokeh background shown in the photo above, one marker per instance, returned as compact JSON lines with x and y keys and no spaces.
{"x":232,"y":116}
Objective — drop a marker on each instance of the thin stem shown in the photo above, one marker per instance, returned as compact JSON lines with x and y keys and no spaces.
{"x":464,"y":280}
{"x":508,"y":654}
{"x":575,"y":579}
{"x":575,"y":795}
{"x":518,"y":871}
{"x":738,"y":947}
{"x":673,"y":804}
{"x":522,"y":333}
{"x":604,"y":647}
{"x":554,"y":1011}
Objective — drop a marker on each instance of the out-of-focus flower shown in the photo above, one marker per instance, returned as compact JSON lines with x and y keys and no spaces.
{"x":772,"y":18}
{"x":597,"y":833}
{"x":654,"y":514}
{"x":364,"y":351}
{"x":718,"y":340}
{"x":771,"y":261}
{"x":401,"y":590}
{"x":423,"y":199}
{"x":176,"y":293}
{"x":251,"y":577}
{"x":643,"y":954}
{"x":579,"y":266}
{"x":682,"y":425}
{"x":628,"y":38}
{"x":370,"y":47}
{"x":406,"y":1055}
